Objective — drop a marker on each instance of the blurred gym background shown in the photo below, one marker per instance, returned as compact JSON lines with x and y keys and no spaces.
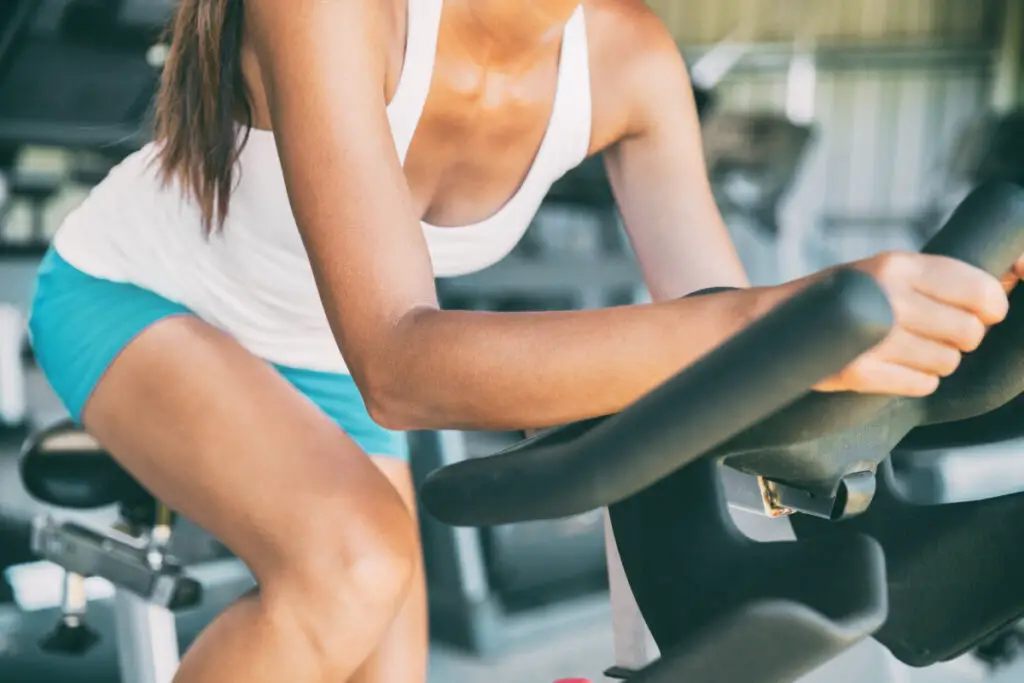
{"x":833,"y":129}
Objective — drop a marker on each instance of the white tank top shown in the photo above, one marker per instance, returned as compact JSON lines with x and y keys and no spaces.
{"x":253,"y":279}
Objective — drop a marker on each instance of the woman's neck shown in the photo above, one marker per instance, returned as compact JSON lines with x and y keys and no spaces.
{"x":506,"y":31}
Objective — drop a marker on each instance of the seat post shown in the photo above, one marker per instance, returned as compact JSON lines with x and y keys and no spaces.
{"x":635,"y":648}
{"x":13,"y":402}
{"x":159,"y":536}
{"x":72,"y":635}
{"x":147,"y":639}
{"x":146,"y":632}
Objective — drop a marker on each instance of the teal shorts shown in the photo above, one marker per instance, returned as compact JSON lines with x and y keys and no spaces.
{"x":80,"y":323}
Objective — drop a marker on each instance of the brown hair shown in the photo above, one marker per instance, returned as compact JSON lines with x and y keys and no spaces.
{"x":202,"y":97}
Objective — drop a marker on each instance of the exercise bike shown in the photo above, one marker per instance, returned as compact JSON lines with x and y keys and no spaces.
{"x":704,"y":590}
{"x":898,"y":537}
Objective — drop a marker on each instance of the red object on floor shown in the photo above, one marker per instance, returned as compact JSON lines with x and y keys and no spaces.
{"x":573,"y":680}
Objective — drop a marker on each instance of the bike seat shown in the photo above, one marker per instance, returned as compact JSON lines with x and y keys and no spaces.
{"x":62,"y":465}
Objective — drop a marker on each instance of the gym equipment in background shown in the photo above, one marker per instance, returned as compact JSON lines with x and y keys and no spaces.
{"x":13,"y":392}
{"x":36,"y":190}
{"x":15,"y":549}
{"x":706,"y":591}
{"x":1002,"y":649}
{"x":513,"y":586}
{"x":79,"y":74}
{"x":75,"y":74}
{"x":753,"y":158}
{"x":63,"y":466}
{"x":508,"y":587}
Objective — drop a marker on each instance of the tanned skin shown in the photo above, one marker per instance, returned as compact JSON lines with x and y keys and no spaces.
{"x":327,"y":531}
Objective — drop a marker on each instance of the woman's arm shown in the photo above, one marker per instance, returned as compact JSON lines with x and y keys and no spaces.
{"x":323,"y":67}
{"x":658,"y":172}
{"x":420,"y":367}
{"x":659,"y":177}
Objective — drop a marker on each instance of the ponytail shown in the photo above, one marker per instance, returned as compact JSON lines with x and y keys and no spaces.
{"x":202,"y":97}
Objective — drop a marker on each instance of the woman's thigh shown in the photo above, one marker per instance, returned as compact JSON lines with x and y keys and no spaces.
{"x":216,"y":433}
{"x":220,"y":436}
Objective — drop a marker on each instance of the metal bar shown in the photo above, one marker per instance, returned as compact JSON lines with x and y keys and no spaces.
{"x":120,"y":138}
{"x":26,"y":250}
{"x":634,"y":645}
{"x":147,"y":640}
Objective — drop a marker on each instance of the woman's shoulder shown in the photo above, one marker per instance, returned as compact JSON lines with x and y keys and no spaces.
{"x":626,"y":31}
{"x":631,"y":53}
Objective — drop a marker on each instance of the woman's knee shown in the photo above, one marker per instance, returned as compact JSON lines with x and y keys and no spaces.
{"x":346,"y":563}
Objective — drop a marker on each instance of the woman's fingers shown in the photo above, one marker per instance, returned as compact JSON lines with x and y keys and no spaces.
{"x":942,"y":308}
{"x":930,"y":320}
{"x":919,"y":354}
{"x":869,"y":374}
{"x":959,"y":285}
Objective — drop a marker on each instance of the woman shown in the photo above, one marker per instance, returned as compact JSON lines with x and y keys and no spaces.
{"x":242,"y":310}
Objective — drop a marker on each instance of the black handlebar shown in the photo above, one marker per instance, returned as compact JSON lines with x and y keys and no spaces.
{"x":596,"y":463}
{"x":747,"y":400}
{"x":815,"y":442}
{"x":986,"y":230}
{"x":655,"y":465}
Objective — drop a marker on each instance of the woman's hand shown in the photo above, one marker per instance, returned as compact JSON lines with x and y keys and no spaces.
{"x":942,"y":309}
{"x":1015,"y":275}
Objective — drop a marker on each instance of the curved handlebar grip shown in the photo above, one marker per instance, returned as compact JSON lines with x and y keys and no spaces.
{"x":987,"y":378}
{"x":986,"y":230}
{"x":759,"y":370}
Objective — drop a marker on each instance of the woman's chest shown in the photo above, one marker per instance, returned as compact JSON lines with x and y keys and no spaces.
{"x":483,"y":128}
{"x":478,"y":137}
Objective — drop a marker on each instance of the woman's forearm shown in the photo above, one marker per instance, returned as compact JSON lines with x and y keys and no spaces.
{"x":479,"y":370}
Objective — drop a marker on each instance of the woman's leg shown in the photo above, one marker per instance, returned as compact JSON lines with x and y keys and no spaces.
{"x":402,"y":656}
{"x":220,"y":436}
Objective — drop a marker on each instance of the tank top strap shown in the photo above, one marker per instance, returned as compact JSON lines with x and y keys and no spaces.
{"x":570,"y":125}
{"x":572,"y":117}
{"x":423,"y":24}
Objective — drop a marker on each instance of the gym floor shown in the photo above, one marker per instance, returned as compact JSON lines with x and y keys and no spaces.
{"x":583,"y":653}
